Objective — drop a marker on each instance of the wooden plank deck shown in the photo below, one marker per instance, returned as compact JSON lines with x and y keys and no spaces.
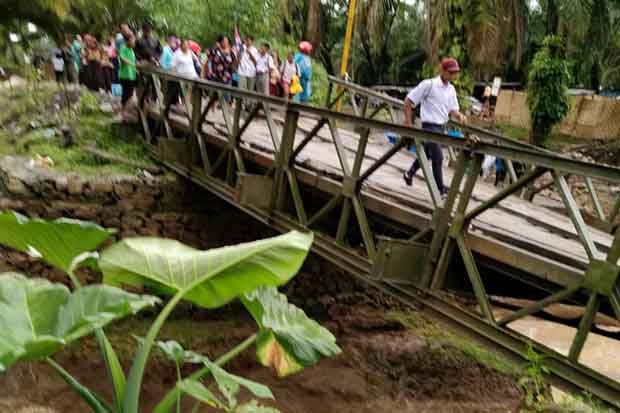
{"x":516,"y":228}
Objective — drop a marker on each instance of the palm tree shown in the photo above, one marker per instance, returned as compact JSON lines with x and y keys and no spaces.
{"x":485,"y":34}
{"x":375,"y":20}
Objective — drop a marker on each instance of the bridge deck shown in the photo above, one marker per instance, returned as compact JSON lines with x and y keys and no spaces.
{"x":530,"y":229}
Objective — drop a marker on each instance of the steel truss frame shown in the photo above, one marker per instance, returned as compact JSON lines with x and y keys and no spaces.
{"x":222,"y":172}
{"x":394,"y":107}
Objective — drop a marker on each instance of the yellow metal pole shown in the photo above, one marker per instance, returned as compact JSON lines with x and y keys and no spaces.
{"x":344,"y":64}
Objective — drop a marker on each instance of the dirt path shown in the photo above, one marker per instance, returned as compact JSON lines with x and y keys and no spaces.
{"x":384,"y":367}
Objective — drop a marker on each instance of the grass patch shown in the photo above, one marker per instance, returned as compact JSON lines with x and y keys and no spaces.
{"x":555,"y":139}
{"x":92,"y":127}
{"x":434,"y":333}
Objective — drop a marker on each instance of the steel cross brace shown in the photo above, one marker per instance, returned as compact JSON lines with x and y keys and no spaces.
{"x":351,"y":188}
{"x":285,"y":171}
{"x":615,"y":211}
{"x":163,"y":107}
{"x":456,"y":234}
{"x":440,"y":226}
{"x":575,"y":215}
{"x":144,"y":82}
{"x":602,"y":280}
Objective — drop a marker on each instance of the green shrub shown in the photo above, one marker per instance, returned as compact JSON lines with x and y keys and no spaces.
{"x":547,"y":96}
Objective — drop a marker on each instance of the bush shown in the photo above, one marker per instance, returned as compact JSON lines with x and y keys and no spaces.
{"x":547,"y":96}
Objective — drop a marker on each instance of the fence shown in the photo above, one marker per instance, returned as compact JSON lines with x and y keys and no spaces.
{"x":590,"y":117}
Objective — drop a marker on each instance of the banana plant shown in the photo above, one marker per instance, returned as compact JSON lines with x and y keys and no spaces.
{"x":287,"y":340}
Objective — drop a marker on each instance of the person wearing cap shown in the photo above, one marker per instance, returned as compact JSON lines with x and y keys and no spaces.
{"x":438,"y":102}
{"x":303,"y":61}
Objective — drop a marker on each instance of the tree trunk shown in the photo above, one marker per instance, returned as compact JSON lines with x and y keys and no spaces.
{"x":553,"y":17}
{"x":313,"y":25}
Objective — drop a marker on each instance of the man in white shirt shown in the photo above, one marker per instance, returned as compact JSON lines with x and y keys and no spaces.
{"x":438,"y":101}
{"x":247,"y":64}
{"x":264,"y":64}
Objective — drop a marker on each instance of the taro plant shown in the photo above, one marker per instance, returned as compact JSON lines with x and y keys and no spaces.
{"x":39,"y":317}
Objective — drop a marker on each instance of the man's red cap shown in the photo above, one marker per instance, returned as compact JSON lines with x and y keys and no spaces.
{"x":450,"y":65}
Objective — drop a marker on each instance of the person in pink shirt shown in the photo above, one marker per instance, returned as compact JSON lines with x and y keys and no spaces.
{"x":110,"y":49}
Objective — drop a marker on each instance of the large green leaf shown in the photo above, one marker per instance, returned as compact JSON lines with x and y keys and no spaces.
{"x":288,"y":339}
{"x":213,"y":277}
{"x":199,"y":392}
{"x":228,"y":385}
{"x":37,"y":318}
{"x":57,"y":242}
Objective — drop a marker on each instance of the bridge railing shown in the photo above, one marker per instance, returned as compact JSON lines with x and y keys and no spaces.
{"x":216,"y":150}
{"x":361,"y":98}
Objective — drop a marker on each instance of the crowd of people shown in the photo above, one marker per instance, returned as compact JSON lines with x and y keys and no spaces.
{"x":102,"y":64}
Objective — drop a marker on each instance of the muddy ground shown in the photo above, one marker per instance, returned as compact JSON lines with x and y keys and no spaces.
{"x":386,"y":366}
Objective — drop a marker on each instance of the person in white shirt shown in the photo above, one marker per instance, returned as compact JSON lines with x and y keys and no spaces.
{"x":288,"y":70}
{"x":264,"y":64}
{"x":182,"y":64}
{"x":247,"y":64}
{"x":438,"y":101}
{"x":183,"y":61}
{"x":59,"y":65}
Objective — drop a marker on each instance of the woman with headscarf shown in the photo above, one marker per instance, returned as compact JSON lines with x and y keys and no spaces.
{"x":303,"y":61}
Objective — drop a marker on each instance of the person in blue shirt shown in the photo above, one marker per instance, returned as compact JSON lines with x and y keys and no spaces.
{"x":76,"y":50}
{"x":303,"y":61}
{"x":165,"y":61}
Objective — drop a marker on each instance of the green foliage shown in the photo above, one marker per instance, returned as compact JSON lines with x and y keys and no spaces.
{"x":209,"y":278}
{"x":62,"y":243}
{"x":204,"y":21}
{"x":584,"y":403}
{"x":42,"y":317}
{"x":433,"y":333}
{"x":533,"y":382}
{"x":227,"y":384}
{"x":88,"y":103}
{"x":288,"y":340}
{"x":547,"y":89}
{"x":23,"y":106}
{"x":38,"y":318}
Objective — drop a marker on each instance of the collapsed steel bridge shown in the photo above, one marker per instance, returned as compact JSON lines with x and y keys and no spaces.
{"x":294,"y":166}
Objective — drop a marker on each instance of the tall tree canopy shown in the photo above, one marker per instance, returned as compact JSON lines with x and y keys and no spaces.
{"x":395,"y":41}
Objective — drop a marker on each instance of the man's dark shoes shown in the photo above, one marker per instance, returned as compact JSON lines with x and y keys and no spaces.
{"x":408,"y":178}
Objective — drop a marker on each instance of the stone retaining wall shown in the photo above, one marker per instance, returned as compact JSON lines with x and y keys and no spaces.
{"x":165,"y":206}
